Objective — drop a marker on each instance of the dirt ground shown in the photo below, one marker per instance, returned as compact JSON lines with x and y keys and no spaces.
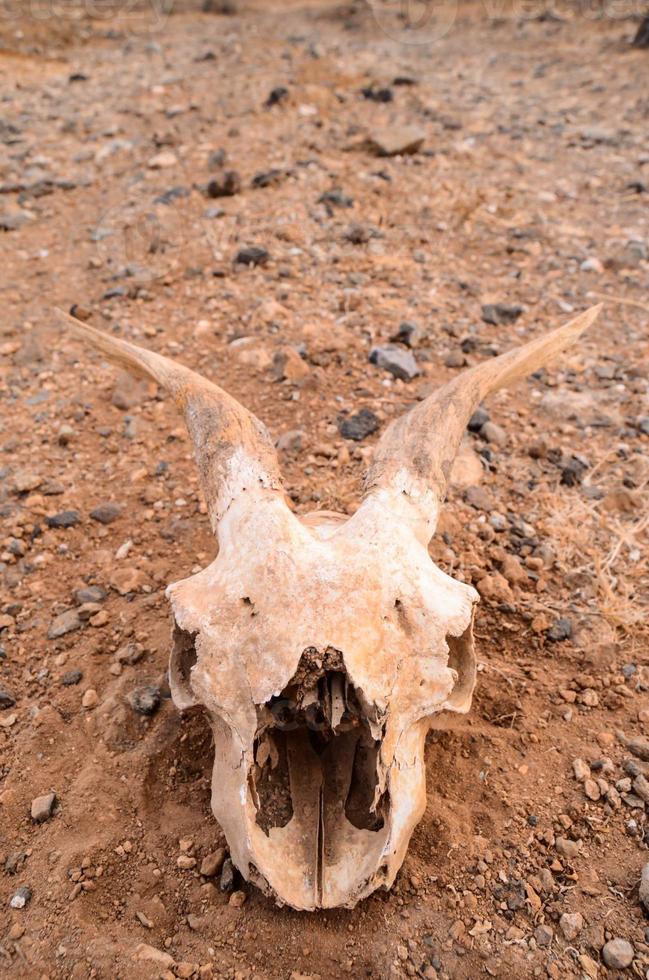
{"x":530,"y":190}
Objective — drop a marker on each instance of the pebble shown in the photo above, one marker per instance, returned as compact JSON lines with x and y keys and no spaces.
{"x":43,"y":807}
{"x":571,"y":924}
{"x":478,"y":419}
{"x":498,"y":314}
{"x":66,"y":518}
{"x":276,"y":96}
{"x":396,"y":141}
{"x":592,"y":264}
{"x":213,"y":863}
{"x":67,"y":622}
{"x":252,"y":255}
{"x":7,"y":700}
{"x":480,"y":498}
{"x":644,"y":886}
{"x":92,"y":593}
{"x":543,"y":935}
{"x":399,"y":362}
{"x":106,"y":513}
{"x":581,"y":770}
{"x":90,"y":699}
{"x":567,"y":848}
{"x":226,"y":184}
{"x":407,"y":334}
{"x":71,"y":677}
{"x":360,"y":425}
{"x":226,"y":883}
{"x":494,"y":434}
{"x":237,"y":899}
{"x":617,"y":954}
{"x":560,"y":630}
{"x":163,"y":160}
{"x":21,"y":897}
{"x":145,"y":700}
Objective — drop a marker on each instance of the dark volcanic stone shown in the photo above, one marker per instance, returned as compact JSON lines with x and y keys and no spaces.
{"x":66,"y":518}
{"x":478,"y":419}
{"x":173,"y":194}
{"x":7,"y":700}
{"x":252,"y":255}
{"x":499,"y":313}
{"x":560,"y":630}
{"x":277,"y":95}
{"x":226,"y":884}
{"x":71,"y":677}
{"x":91,"y":593}
{"x":359,"y":426}
{"x":106,"y":513}
{"x":145,"y":700}
{"x":226,"y":184}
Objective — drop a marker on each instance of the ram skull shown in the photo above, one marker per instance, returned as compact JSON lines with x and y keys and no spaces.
{"x":321,"y":646}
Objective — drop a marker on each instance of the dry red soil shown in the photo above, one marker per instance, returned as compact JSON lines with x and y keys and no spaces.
{"x":530,"y":189}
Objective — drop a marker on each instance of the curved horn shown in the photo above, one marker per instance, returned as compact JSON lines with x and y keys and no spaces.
{"x":232,"y":447}
{"x":415,"y":454}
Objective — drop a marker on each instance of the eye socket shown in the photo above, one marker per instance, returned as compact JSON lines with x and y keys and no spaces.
{"x":461,"y":659}
{"x":182,"y":658}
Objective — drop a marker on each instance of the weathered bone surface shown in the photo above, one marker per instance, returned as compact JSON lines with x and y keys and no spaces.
{"x":321,"y":647}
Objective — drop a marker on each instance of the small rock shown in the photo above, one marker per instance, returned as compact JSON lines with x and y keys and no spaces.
{"x":21,"y":897}
{"x":163,"y":160}
{"x":7,"y":700}
{"x":567,"y":848}
{"x":152,"y":955}
{"x":226,"y":883}
{"x":560,"y":630}
{"x":359,"y":426}
{"x":592,"y":264}
{"x":496,"y":588}
{"x":71,"y":678}
{"x":225,"y":184}
{"x":252,"y":255}
{"x":92,"y":593}
{"x":494,"y":434}
{"x":212,"y":863}
{"x":618,"y":954}
{"x":543,"y":935}
{"x":106,"y":513}
{"x":289,"y":366}
{"x":571,"y":924}
{"x":66,"y":518}
{"x":42,"y":807}
{"x":480,"y":498}
{"x":185,"y":862}
{"x":400,"y":363}
{"x":591,"y":789}
{"x":26,"y":480}
{"x":580,"y":769}
{"x":641,"y":787}
{"x":90,"y":699}
{"x":500,"y":313}
{"x":644,"y":886}
{"x":276,"y":96}
{"x":406,"y":334}
{"x":125,"y":580}
{"x":145,"y":700}
{"x":478,"y":419}
{"x":67,"y":622}
{"x":455,"y":359}
{"x":396,"y":141}
{"x":237,"y":899}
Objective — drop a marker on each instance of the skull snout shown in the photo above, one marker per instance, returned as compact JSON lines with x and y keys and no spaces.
{"x":314,"y":780}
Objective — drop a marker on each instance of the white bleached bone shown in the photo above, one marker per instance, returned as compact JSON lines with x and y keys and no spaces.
{"x":321,"y":647}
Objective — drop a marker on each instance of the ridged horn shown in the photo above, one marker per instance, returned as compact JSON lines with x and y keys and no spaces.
{"x":413,"y":459}
{"x":233,"y":449}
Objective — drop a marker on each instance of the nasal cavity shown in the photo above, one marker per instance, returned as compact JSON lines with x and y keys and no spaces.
{"x":461,"y":659}
{"x":183,"y":658}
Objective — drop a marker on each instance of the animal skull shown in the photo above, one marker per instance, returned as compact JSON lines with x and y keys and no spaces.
{"x":322,"y":646}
